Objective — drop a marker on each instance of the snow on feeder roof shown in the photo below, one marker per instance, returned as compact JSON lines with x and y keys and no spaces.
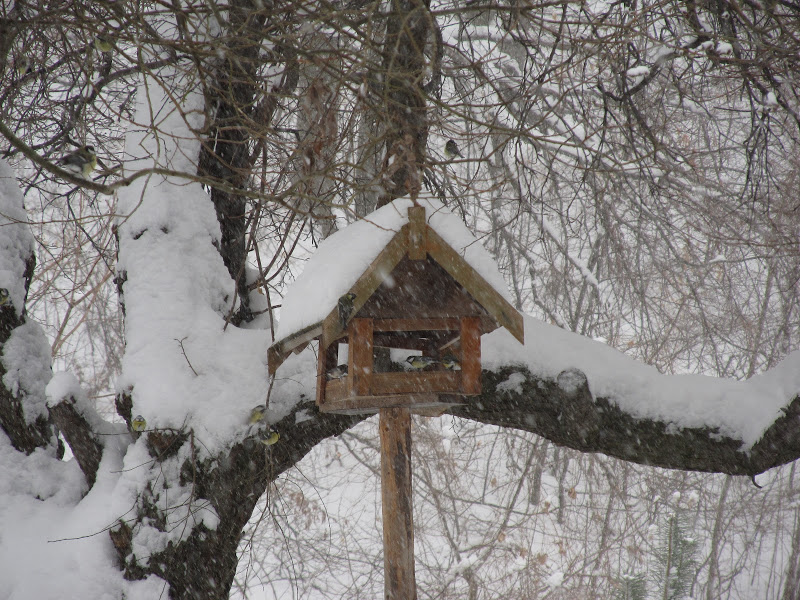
{"x":361,"y":258}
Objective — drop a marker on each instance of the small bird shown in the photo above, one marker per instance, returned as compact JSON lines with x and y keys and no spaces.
{"x":268,"y":437}
{"x":138,"y":423}
{"x":257,"y":414}
{"x":102,"y":43}
{"x":420,"y":362}
{"x":346,"y":306}
{"x":81,"y":161}
{"x":23,"y":65}
{"x":451,"y":150}
{"x":451,"y":363}
{"x":4,"y":297}
{"x":336,"y":372}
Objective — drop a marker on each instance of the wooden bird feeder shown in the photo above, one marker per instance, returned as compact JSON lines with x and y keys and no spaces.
{"x":422,"y":296}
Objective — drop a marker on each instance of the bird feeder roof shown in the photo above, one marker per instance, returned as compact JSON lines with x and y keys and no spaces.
{"x":362,"y":250}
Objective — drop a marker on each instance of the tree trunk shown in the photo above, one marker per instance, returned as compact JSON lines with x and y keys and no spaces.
{"x":202,"y":567}
{"x":226,"y":155}
{"x":23,"y":416}
{"x":407,"y":30}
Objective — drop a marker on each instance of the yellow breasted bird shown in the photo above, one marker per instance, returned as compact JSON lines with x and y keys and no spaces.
{"x":257,"y":414}
{"x":4,"y":297}
{"x":138,"y":423}
{"x":451,"y":363}
{"x":268,"y":437}
{"x":346,"y":305}
{"x":103,"y":43}
{"x":23,"y":65}
{"x":81,"y":161}
{"x":420,"y":362}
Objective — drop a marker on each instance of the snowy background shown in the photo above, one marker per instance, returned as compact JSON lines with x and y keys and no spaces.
{"x":668,"y":277}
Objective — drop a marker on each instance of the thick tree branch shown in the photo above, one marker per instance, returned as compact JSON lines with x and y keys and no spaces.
{"x":233,"y":483}
{"x":234,"y":98}
{"x":80,"y":437}
{"x":569,"y":416}
{"x":24,"y":437}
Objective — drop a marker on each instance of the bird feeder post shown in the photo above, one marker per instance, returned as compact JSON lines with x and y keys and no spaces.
{"x":324,"y":357}
{"x":398,"y":520}
{"x":395,"y":430}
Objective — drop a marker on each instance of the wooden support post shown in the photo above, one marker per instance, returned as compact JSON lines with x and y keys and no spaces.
{"x":398,"y":520}
{"x":322,"y":368}
{"x":471,"y":355}
{"x":327,"y":358}
{"x":360,"y":365}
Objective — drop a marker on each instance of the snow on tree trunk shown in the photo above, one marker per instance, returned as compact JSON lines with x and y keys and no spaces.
{"x":25,"y":359}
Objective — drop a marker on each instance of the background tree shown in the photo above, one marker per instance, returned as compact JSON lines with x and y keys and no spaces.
{"x":631,"y":166}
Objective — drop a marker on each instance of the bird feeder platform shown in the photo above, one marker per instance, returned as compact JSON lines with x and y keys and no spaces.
{"x":365,"y":389}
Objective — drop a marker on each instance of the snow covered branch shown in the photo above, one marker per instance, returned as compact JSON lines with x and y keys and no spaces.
{"x":563,"y":411}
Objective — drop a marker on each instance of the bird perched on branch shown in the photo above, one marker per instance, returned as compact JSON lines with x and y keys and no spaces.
{"x":81,"y":162}
{"x":103,"y":43}
{"x":138,"y":423}
{"x":421,"y":362}
{"x":346,"y":305}
{"x":336,"y":372}
{"x":451,"y":363}
{"x":257,"y":414}
{"x":451,"y":150}
{"x":23,"y":65}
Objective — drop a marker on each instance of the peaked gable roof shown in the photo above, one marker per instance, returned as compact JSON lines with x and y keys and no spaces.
{"x":360,"y":257}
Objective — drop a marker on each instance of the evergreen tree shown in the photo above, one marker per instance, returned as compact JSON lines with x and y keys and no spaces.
{"x":675,"y":560}
{"x":631,"y":586}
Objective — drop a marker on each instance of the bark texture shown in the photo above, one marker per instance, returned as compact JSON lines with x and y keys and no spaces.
{"x":79,"y":435}
{"x":25,"y":437}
